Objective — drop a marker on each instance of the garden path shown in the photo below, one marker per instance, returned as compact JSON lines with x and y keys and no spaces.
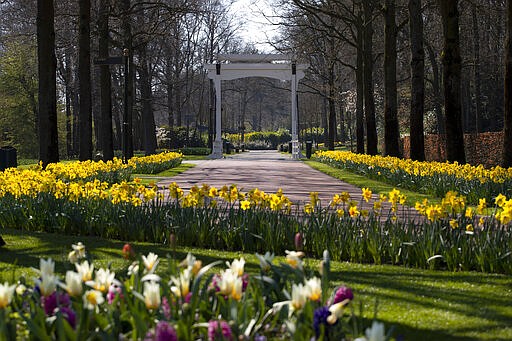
{"x":268,"y":171}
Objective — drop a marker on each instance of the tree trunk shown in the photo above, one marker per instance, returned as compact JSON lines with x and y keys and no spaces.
{"x":391,"y":128}
{"x":452,"y":81}
{"x":129,"y":79}
{"x":69,"y":111}
{"x":84,"y":69}
{"x":369,"y":101}
{"x":359,"y":89}
{"x":476,"y":68}
{"x":417,"y":149}
{"x":47,"y":68}
{"x":105,"y":83}
{"x":436,"y":88}
{"x":331,"y":121}
{"x":507,"y":131}
{"x":148,"y":117}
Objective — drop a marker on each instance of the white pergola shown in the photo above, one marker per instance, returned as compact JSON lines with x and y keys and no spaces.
{"x":234,"y":66}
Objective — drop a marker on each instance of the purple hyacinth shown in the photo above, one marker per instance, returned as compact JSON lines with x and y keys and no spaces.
{"x":56,"y":299}
{"x":165,"y":332}
{"x":343,"y":293}
{"x":320,"y":317}
{"x":219,"y":328}
{"x":70,"y":316}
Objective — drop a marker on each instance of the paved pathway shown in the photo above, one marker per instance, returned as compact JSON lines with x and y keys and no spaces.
{"x":267,"y":171}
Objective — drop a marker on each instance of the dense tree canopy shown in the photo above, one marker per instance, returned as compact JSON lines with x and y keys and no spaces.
{"x":376,"y":72}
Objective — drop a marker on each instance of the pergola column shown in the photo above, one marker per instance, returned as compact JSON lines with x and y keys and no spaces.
{"x":217,"y":143}
{"x":295,"y":135}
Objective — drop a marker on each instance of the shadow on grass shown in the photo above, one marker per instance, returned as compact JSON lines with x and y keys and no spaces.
{"x":452,"y":302}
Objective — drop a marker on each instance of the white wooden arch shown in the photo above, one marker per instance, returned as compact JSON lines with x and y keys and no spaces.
{"x":229,"y":67}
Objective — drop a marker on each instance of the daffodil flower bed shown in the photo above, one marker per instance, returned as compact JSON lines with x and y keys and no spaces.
{"x":153,"y":164}
{"x":436,"y":178}
{"x":186,"y":301}
{"x":447,"y":236}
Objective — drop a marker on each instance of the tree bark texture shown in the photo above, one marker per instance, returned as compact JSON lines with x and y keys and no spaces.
{"x":452,"y":81}
{"x":129,"y":78}
{"x":84,"y":66}
{"x":391,"y":128}
{"x":507,"y":135}
{"x":369,"y":100}
{"x":105,"y":83}
{"x":359,"y":89}
{"x":47,"y":67}
{"x":417,"y":81}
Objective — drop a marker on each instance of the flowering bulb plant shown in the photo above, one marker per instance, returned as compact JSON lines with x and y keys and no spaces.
{"x":185,"y":301}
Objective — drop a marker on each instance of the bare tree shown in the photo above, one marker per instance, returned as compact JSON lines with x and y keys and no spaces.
{"x":507,"y":134}
{"x":417,"y":81}
{"x":47,"y":68}
{"x":84,"y":67}
{"x":452,"y":81}
{"x":391,"y":129}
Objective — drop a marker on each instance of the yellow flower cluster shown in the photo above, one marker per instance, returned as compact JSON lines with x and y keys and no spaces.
{"x":468,"y":172}
{"x":451,"y":205}
{"x":72,"y":171}
{"x":55,"y":180}
{"x":504,"y":214}
{"x":138,"y":161}
{"x":207,"y":195}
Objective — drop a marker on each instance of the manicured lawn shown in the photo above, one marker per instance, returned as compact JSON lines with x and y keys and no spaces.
{"x":420,"y":304}
{"x":150,"y":179}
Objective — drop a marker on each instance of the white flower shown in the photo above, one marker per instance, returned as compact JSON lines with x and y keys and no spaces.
{"x":181,"y":286}
{"x":150,"y":262}
{"x":73,"y":285}
{"x":6,"y":293}
{"x":265,"y":260}
{"x":188,"y":261}
{"x":227,"y":282}
{"x":79,"y":249}
{"x":299,"y":297}
{"x":47,"y":284}
{"x":314,"y":287}
{"x":376,"y":332}
{"x":46,"y":267}
{"x":152,"y":295}
{"x":73,"y":257}
{"x":92,"y":298}
{"x":85,"y":270}
{"x":293,"y":258}
{"x":102,"y":280}
{"x":133,"y":268}
{"x":20,"y":289}
{"x":237,"y":266}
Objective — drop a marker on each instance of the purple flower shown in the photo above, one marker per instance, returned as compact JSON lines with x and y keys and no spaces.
{"x":70,"y":316}
{"x":188,"y":298}
{"x":166,"y":307}
{"x":320,"y":317}
{"x":343,"y":293}
{"x":165,"y":332}
{"x":56,"y":299}
{"x":299,"y":242}
{"x":245,"y":281}
{"x":217,"y":329}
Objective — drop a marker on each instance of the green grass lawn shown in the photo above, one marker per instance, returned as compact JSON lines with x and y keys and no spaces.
{"x":420,"y":304}
{"x":148,"y":179}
